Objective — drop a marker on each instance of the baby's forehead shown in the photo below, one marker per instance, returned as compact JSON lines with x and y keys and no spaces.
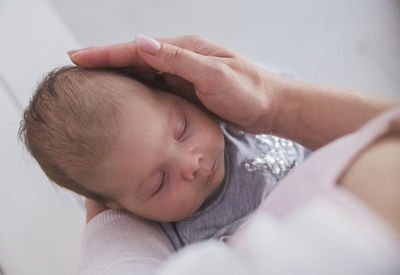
{"x":125,"y":85}
{"x":121,"y":83}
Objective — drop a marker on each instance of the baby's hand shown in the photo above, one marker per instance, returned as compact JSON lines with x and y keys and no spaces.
{"x":93,"y":208}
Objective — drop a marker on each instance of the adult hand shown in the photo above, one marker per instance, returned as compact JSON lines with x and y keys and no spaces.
{"x":93,"y":208}
{"x":225,"y":82}
{"x":240,"y":92}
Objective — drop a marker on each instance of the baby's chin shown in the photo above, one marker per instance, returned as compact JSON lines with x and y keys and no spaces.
{"x":176,"y":217}
{"x":177,"y":213}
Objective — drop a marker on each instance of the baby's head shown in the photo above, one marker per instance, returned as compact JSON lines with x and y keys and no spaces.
{"x":111,"y":138}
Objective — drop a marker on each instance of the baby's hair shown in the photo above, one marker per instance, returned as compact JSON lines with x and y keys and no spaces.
{"x":71,"y":123}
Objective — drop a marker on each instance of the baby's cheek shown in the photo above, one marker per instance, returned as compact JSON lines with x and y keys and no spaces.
{"x":183,"y":206}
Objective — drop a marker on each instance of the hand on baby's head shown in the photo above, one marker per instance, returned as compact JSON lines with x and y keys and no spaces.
{"x":108,"y":137}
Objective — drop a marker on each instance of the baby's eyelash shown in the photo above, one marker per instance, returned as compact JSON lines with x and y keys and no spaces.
{"x":161,"y":184}
{"x":184,"y":129}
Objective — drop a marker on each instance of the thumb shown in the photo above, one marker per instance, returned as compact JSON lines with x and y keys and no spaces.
{"x":174,"y":60}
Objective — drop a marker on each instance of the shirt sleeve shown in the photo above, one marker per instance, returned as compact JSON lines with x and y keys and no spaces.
{"x":117,"y":242}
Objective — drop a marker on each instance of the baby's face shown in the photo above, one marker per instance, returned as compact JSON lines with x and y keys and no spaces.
{"x":168,"y":159}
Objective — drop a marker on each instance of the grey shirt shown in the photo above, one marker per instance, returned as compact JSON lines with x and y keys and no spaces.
{"x":254,"y":164}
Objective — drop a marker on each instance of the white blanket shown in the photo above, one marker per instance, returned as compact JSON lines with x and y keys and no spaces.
{"x":317,"y":239}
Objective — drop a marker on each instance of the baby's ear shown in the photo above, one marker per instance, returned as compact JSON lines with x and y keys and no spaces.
{"x":113,"y":205}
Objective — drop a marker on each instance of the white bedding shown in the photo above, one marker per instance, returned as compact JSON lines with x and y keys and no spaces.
{"x":41,"y":225}
{"x":317,"y":239}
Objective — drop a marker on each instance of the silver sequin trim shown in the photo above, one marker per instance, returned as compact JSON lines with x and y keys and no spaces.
{"x":279,"y":157}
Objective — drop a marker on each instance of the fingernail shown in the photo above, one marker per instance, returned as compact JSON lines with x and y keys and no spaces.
{"x":71,"y":52}
{"x":147,"y":44}
{"x":76,"y":53}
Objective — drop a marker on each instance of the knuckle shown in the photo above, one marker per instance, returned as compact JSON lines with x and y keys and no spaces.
{"x":173,"y":58}
{"x":219,"y":70}
{"x":177,"y":53}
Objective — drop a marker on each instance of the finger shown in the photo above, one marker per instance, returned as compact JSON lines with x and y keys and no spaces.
{"x":174,"y":60}
{"x":198,"y":44}
{"x":125,"y":54}
{"x":180,"y":87}
{"x":118,"y":55}
{"x":169,"y":83}
{"x":138,"y":69}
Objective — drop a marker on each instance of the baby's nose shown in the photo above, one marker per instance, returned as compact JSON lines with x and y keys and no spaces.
{"x":190,"y":165}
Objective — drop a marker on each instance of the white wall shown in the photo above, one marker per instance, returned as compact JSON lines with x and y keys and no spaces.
{"x":350,"y":43}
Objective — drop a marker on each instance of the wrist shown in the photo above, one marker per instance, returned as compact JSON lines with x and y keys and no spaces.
{"x":314,"y":114}
{"x":285,"y":106}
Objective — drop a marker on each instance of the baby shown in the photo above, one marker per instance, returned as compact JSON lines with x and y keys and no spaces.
{"x":109,"y":137}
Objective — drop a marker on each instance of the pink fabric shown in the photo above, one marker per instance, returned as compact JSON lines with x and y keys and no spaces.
{"x":319,"y":174}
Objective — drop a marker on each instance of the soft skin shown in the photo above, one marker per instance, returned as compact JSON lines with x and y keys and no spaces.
{"x":163,"y":138}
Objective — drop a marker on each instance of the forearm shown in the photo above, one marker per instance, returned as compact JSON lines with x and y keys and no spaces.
{"x":314,"y":115}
